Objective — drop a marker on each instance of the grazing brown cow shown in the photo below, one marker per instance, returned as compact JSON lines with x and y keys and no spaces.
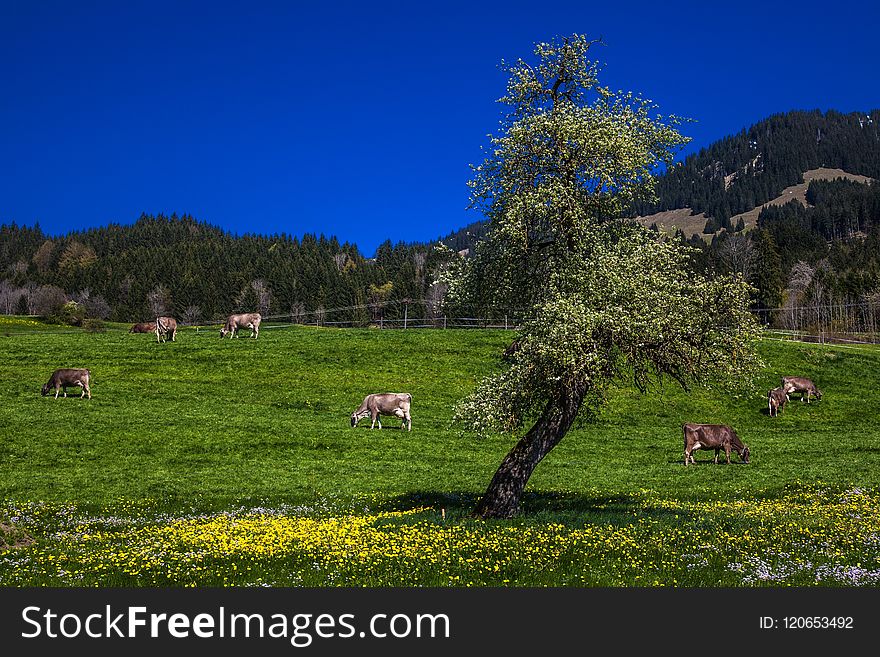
{"x":776,"y":400}
{"x":67,"y":378}
{"x":712,"y":436}
{"x":143,"y":327}
{"x":804,"y":386}
{"x":246,"y":320}
{"x":164,"y":327}
{"x":386,"y":403}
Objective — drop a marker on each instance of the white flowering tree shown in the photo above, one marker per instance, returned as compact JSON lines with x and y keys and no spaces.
{"x":609,"y":301}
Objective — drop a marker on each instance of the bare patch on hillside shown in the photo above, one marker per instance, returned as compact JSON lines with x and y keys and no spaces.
{"x":797,"y":193}
{"x":670,"y":220}
{"x":689,"y":223}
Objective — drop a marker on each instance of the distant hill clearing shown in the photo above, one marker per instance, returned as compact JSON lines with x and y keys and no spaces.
{"x":671,"y":220}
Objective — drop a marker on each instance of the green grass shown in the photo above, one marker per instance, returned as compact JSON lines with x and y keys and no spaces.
{"x":233,"y":418}
{"x":204,"y":426}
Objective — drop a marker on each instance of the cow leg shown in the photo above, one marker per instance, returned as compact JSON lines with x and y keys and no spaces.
{"x":408,"y":422}
{"x":716,"y":455}
{"x":727,"y":451}
{"x":57,"y":390}
{"x":687,"y":456}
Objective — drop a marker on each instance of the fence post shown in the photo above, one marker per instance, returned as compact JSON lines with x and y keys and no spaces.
{"x":505,"y":321}
{"x":405,"y":313}
{"x":444,"y":321}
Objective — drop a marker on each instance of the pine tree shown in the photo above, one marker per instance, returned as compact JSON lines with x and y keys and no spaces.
{"x":767,"y":276}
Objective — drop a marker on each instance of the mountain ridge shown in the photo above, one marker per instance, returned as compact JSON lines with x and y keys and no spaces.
{"x":689,"y":223}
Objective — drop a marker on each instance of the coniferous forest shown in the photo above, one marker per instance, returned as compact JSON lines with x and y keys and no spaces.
{"x":744,"y":171}
{"x":813,"y":266}
{"x":199,"y":273}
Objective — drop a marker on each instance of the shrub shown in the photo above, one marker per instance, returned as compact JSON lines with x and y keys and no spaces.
{"x":71,"y":313}
{"x":94,"y":326}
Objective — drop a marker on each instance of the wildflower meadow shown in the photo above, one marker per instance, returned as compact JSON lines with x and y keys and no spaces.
{"x":179,"y":473}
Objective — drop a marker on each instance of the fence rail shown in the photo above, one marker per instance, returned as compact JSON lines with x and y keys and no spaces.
{"x":851,"y":323}
{"x":824,"y":338}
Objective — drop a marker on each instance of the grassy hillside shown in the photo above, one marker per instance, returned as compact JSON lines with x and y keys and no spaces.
{"x":238,"y":417}
{"x":177,"y":432}
{"x":269,"y":418}
{"x":671,"y":220}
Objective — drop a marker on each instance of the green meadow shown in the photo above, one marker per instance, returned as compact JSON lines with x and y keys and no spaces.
{"x":211,"y":461}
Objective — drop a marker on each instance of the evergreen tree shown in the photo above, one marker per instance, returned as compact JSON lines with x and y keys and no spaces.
{"x":767,"y":275}
{"x":21,"y":308}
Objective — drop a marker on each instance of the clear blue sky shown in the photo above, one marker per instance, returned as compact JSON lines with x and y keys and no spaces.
{"x":359,"y":119}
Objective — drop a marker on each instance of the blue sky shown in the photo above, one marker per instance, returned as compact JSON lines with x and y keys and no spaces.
{"x":359,"y":119}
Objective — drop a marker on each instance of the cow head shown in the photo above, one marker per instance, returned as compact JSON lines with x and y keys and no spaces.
{"x":223,"y":332}
{"x":357,"y":417}
{"x":45,"y":390}
{"x":818,"y":394}
{"x":744,"y":455}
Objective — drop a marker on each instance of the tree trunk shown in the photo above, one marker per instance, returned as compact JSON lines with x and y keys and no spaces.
{"x":501,"y":499}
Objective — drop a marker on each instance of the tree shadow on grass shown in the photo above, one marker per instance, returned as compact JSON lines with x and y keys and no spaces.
{"x":722,"y":460}
{"x":535,"y":507}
